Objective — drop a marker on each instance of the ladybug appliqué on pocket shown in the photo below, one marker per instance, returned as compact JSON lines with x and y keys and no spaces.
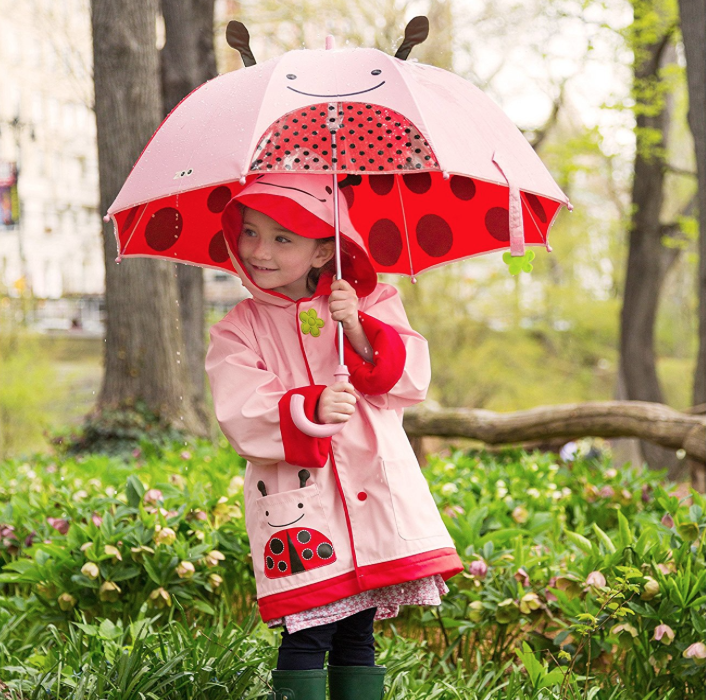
{"x":295,"y":549}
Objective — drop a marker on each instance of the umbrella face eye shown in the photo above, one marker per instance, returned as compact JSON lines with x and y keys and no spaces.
{"x":377,"y":71}
{"x":291,"y":76}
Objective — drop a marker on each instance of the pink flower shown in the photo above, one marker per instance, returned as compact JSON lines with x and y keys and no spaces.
{"x":606,"y":492}
{"x":97,"y":520}
{"x":153,"y":496}
{"x":478,"y":568}
{"x":667,"y":520}
{"x":186,"y":454}
{"x":61,"y":525}
{"x":523,"y":577}
{"x":596,"y":579}
{"x":664,"y":633}
{"x":136,"y":452}
{"x":696,"y":651}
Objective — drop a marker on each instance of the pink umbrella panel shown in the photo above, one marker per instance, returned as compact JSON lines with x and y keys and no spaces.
{"x":412,"y":215}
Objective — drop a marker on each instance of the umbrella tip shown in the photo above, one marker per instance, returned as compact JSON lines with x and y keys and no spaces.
{"x":242,"y":180}
{"x":106,"y":218}
{"x":119,"y":259}
{"x":414,"y":280}
{"x":330,"y":42}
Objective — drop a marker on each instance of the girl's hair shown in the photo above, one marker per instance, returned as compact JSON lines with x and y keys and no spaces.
{"x":315,"y":273}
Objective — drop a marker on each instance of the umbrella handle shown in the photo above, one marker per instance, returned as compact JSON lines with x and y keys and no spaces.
{"x":318,"y":430}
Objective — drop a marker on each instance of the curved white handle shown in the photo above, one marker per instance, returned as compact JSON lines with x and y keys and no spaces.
{"x":319,"y":430}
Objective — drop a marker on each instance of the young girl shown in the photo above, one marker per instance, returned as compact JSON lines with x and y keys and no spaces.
{"x":343,"y":530}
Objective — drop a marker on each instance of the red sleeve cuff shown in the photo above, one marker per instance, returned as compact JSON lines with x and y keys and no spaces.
{"x":300,"y":449}
{"x":389,"y":358}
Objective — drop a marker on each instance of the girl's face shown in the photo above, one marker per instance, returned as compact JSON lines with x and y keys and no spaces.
{"x":276,"y":258}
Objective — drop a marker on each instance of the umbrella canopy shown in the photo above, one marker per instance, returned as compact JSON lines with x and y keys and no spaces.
{"x":435,"y":171}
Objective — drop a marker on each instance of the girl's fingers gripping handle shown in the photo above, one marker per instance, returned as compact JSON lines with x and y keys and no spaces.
{"x":317,"y":429}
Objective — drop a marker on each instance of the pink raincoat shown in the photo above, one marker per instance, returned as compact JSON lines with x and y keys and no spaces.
{"x":343,"y":514}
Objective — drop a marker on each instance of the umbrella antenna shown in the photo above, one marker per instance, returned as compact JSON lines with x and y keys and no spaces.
{"x":416,"y":31}
{"x":238,"y":38}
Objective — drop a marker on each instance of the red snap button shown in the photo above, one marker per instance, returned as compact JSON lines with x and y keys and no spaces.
{"x":362,"y":496}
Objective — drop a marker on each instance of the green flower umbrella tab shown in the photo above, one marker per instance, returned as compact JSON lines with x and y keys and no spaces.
{"x":311,"y":323}
{"x":522,"y":263}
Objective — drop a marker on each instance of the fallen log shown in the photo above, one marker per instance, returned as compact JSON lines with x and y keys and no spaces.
{"x":653,"y":422}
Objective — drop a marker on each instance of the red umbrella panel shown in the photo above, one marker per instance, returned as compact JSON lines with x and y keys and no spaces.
{"x":412,"y":215}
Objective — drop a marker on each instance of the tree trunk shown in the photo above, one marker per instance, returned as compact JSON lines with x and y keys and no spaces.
{"x":693,"y":28}
{"x":143,"y":369}
{"x":188,"y":59}
{"x":608,"y":419}
{"x":648,"y":260}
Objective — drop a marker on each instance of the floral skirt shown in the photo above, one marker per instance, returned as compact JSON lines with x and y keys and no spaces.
{"x":387,"y":600}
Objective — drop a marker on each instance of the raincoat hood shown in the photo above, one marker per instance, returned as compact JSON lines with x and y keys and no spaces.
{"x":303,"y":204}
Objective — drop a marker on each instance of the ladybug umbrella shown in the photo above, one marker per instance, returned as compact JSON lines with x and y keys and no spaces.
{"x":436,"y":171}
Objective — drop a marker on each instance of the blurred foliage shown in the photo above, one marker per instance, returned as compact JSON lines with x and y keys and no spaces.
{"x":579,"y":581}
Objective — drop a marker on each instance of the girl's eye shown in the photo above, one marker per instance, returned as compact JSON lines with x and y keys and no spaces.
{"x":249,"y":232}
{"x":282,"y":239}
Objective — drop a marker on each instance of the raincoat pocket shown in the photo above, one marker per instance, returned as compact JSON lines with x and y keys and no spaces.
{"x":292,"y":533}
{"x":416,"y":514}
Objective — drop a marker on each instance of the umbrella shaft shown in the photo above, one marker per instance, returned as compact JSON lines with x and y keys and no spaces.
{"x":337,"y":229}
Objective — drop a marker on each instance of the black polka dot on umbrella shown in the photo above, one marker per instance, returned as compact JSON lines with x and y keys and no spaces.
{"x":217,"y":250}
{"x":385,"y":242}
{"x":434,"y":235}
{"x":375,"y":128}
{"x":463,"y":187}
{"x":536,"y":206}
{"x":324,"y":550}
{"x":419,"y":183}
{"x":303,"y":536}
{"x":218,"y":199}
{"x":163,"y":229}
{"x":277,"y":546}
{"x":497,"y":222}
{"x":382,"y":184}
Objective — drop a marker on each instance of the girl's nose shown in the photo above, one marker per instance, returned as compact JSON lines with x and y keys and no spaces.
{"x":262,"y":250}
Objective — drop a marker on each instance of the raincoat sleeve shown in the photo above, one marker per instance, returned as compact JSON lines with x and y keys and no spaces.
{"x":401,"y":371}
{"x":252,"y":404}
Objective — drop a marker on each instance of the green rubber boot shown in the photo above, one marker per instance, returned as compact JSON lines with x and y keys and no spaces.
{"x":298,"y":685}
{"x":356,"y":682}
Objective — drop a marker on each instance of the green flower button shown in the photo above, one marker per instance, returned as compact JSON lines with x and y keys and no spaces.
{"x":520,"y":263}
{"x":311,"y":323}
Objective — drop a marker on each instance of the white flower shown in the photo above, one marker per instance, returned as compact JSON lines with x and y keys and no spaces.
{"x":448,"y":489}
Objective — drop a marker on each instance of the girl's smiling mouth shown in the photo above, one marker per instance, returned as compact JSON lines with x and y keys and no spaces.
{"x":287,"y":524}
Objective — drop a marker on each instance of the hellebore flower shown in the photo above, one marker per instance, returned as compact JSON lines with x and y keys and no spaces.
{"x":475,"y":613}
{"x":178,"y":480}
{"x":520,"y":514}
{"x":651,"y":589}
{"x":165,"y":536}
{"x":61,"y":525}
{"x":96,"y":519}
{"x":66,"y":601}
{"x":215,"y":580}
{"x":153,"y":496}
{"x":507,"y":611}
{"x":522,"y":577}
{"x":478,"y":568}
{"x":90,"y":569}
{"x":664,"y":633}
{"x":109,"y":592}
{"x":667,"y":520}
{"x":530,"y":602}
{"x":113,"y":552}
{"x":595,"y":580}
{"x":160,"y":598}
{"x":696,"y":651}
{"x":213,"y":557}
{"x":569,"y":585}
{"x":185,"y":569}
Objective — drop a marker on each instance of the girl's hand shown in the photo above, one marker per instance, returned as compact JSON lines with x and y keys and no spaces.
{"x":337,"y":403}
{"x":343,"y":305}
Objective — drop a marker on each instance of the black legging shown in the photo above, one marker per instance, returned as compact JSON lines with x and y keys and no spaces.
{"x":348,"y":641}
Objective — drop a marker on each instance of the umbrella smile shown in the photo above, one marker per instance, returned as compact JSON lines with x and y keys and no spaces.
{"x":287,"y":524}
{"x":338,"y":94}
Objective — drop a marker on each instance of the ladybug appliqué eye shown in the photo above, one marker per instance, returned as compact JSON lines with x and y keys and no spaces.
{"x":377,"y":71}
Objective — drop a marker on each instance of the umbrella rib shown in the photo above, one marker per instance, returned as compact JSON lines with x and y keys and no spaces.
{"x":134,"y":230}
{"x":404,"y":222}
{"x":531,"y":214}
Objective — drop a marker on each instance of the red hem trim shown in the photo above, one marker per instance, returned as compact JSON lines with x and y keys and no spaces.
{"x":444,"y":562}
